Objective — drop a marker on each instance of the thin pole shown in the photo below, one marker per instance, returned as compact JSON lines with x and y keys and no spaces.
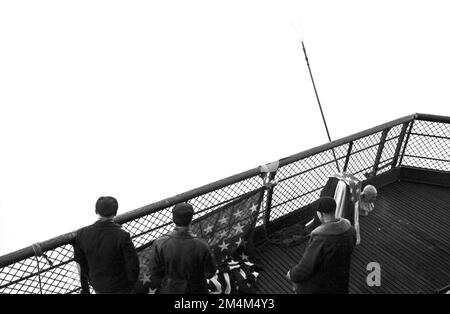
{"x":315,"y":91}
{"x":318,"y":101}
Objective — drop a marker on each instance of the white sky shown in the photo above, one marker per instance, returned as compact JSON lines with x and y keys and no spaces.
{"x":143,"y":100}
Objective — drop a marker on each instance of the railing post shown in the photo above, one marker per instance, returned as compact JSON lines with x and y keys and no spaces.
{"x":379,"y":152}
{"x":347,"y":158}
{"x":271,"y":176}
{"x":406,"y":141}
{"x":399,"y":145}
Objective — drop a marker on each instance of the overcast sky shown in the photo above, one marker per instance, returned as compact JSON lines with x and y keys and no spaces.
{"x":143,"y":100}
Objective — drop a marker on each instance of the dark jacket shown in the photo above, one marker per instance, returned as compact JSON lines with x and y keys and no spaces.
{"x":181,"y":263}
{"x":325,"y":265}
{"x":107,"y":256}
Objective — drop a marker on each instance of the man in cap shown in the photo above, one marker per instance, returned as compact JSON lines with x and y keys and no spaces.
{"x":105,"y":254}
{"x":180,"y":262}
{"x":325,"y":265}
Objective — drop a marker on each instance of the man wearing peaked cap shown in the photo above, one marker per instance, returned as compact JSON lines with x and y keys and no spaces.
{"x":181,"y":262}
{"x":325,"y":265}
{"x":105,"y":253}
{"x":182,"y":214}
{"x":326,"y":205}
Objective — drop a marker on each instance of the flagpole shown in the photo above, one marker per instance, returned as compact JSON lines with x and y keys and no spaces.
{"x":318,"y":101}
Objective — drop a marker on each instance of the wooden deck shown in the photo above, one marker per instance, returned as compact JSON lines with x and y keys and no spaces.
{"x":408,"y":234}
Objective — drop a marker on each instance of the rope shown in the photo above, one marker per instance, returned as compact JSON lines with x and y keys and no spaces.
{"x":281,"y":242}
{"x":38,"y":252}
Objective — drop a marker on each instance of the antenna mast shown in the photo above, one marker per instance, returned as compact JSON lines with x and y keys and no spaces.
{"x":318,"y":101}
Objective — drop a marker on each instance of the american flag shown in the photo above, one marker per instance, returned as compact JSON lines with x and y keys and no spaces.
{"x":226,"y":228}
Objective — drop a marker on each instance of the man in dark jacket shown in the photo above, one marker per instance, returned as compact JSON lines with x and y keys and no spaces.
{"x":105,"y":253}
{"x":325,"y":265}
{"x":180,"y":262}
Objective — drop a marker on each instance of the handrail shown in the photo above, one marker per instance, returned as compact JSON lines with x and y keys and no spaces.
{"x":28,"y":251}
{"x":154,"y":207}
{"x":68,"y":238}
{"x":345,"y":140}
{"x":432,"y":118}
{"x":179,"y":198}
{"x":284,"y":193}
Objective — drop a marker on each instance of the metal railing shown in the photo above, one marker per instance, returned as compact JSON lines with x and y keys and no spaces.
{"x":418,"y":140}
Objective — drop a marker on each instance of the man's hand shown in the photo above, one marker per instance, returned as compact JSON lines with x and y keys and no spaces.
{"x":294,"y":285}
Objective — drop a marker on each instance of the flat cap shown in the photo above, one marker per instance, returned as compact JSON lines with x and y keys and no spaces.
{"x":182,"y":214}
{"x":325,"y":204}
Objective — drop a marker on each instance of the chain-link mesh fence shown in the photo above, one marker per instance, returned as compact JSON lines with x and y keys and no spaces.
{"x":406,"y":141}
{"x":34,"y":274}
{"x":428,"y":146}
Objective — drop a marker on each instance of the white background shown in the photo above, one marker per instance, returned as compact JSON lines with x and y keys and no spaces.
{"x":143,"y":100}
